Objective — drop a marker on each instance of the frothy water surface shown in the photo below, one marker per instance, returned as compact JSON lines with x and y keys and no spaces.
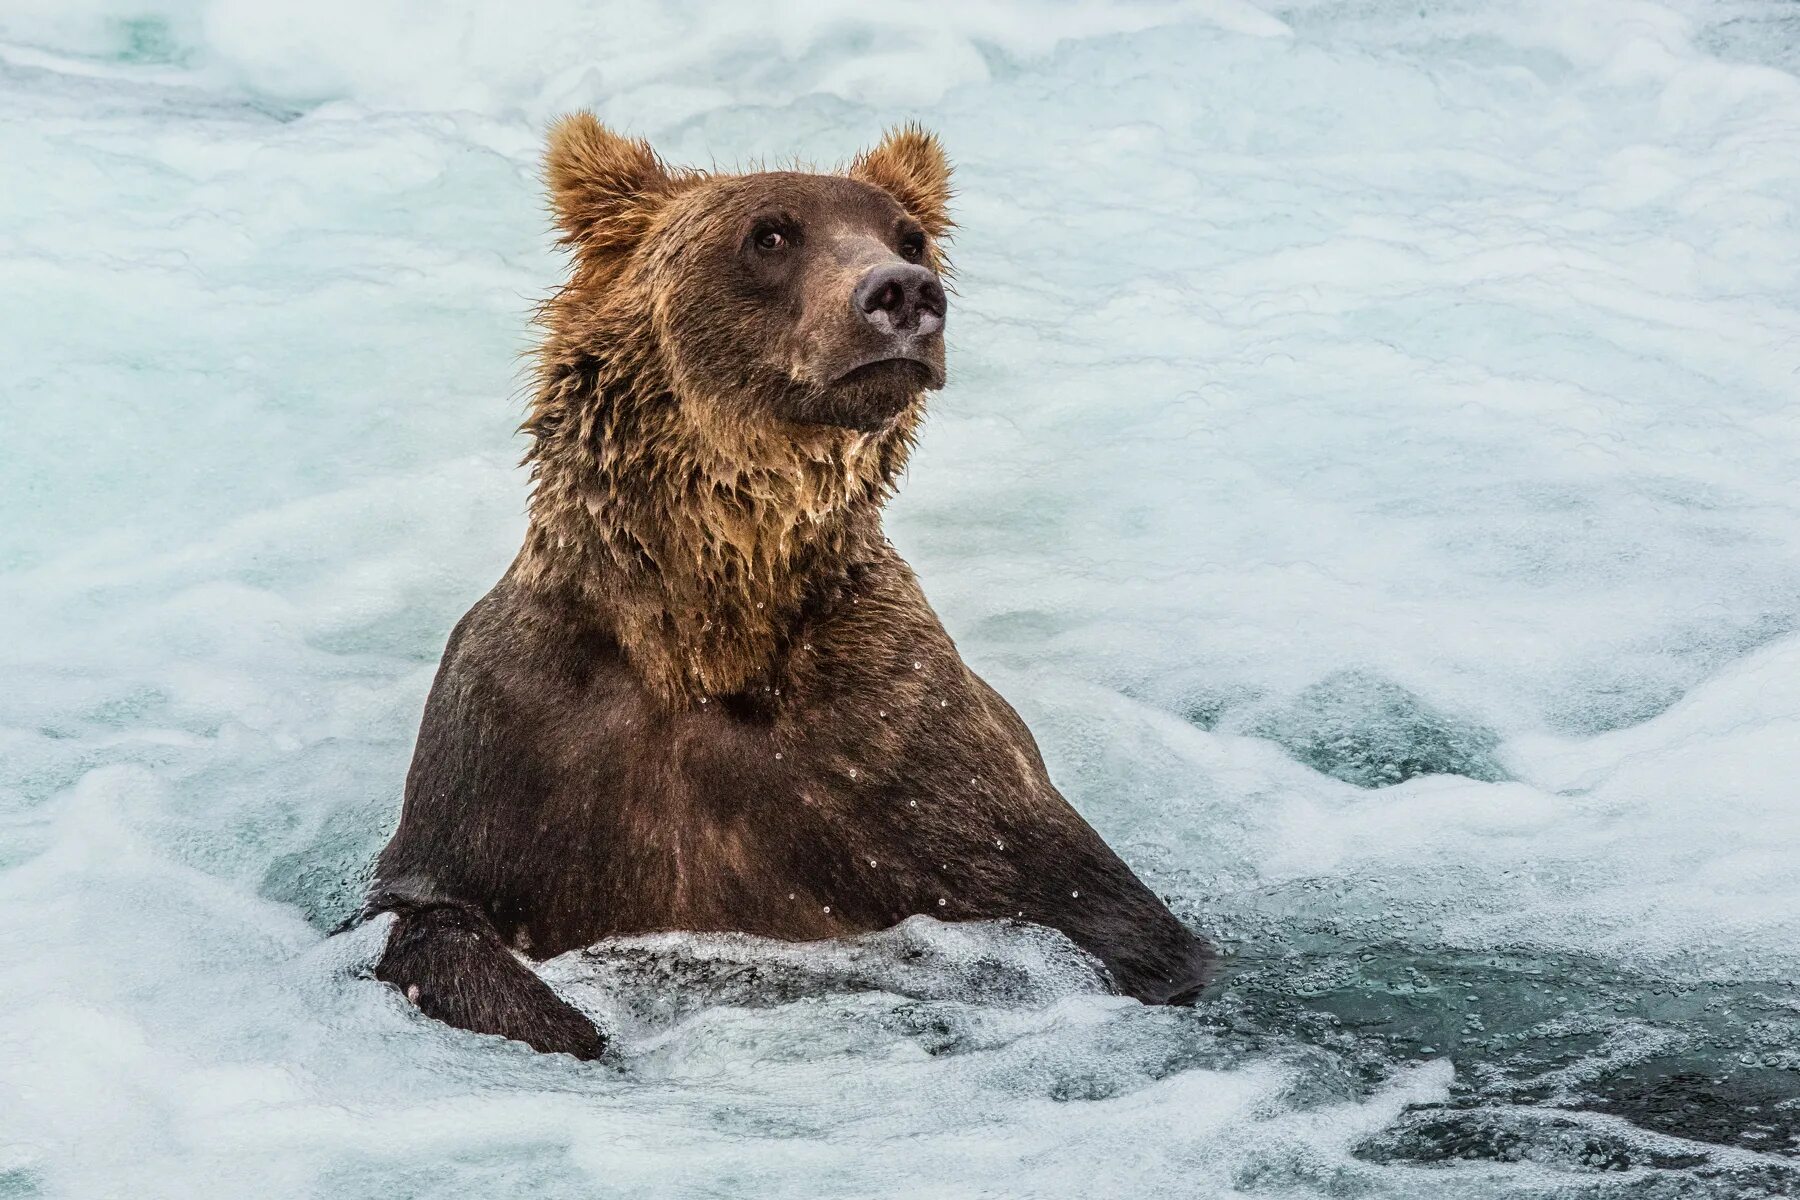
{"x":1368,"y":465}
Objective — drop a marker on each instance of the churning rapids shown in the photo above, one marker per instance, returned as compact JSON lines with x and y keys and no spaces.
{"x":1368,"y":464}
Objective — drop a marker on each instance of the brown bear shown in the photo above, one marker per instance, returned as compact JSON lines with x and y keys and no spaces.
{"x":708,"y":694}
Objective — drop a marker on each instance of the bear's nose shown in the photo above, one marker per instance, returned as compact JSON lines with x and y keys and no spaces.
{"x":901,"y":298}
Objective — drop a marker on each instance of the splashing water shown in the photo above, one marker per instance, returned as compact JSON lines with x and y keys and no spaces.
{"x":1368,"y":465}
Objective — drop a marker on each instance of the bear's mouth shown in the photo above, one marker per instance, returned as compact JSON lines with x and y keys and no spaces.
{"x":910,"y":373}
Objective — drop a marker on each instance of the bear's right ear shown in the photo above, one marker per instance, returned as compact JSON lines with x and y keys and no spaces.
{"x":603,"y":187}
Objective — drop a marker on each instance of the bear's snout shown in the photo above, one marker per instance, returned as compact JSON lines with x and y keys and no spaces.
{"x":901,"y":300}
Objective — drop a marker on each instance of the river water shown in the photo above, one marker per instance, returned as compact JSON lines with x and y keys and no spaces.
{"x":1369,"y":465}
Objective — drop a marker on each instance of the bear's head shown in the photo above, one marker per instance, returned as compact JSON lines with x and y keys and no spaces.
{"x":727,"y":390}
{"x":772,"y":298}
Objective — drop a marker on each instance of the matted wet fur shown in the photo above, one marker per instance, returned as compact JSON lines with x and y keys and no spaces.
{"x":708,"y":695}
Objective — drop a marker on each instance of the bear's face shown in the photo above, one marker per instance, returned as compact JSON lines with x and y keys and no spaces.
{"x":805,"y":298}
{"x":811,"y":297}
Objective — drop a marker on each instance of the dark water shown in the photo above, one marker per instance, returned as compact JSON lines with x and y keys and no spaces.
{"x":1565,"y":1062}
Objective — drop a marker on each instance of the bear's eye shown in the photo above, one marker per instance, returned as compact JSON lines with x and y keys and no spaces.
{"x":912,"y":246}
{"x":770,"y":239}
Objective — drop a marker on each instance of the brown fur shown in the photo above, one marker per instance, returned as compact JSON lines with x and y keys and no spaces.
{"x":708,"y":695}
{"x":695,"y":524}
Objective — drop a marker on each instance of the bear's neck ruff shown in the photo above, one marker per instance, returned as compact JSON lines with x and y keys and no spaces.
{"x":700,"y":543}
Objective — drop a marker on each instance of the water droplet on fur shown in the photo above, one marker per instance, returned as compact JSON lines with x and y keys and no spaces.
{"x":871,"y":862}
{"x":703,"y":699}
{"x":790,"y":895}
{"x":942,"y":902}
{"x":853,"y":772}
{"x":912,"y":804}
{"x":806,"y":646}
{"x":918,"y":666}
{"x":943,"y":704}
{"x":881,"y":712}
{"x":1000,"y":843}
{"x":778,"y":754}
{"x":828,"y":908}
{"x":1077,"y":895}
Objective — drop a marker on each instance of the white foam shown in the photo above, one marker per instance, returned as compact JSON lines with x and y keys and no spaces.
{"x":1335,"y":389}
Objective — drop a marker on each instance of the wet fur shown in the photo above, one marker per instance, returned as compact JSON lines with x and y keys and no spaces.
{"x":708,"y":695}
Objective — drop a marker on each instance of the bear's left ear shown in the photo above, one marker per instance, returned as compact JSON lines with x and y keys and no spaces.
{"x":604,"y":188}
{"x":910,"y":166}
